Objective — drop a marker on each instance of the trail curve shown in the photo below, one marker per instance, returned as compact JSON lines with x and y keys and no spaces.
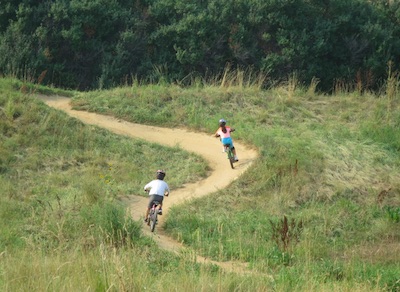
{"x":221,"y":175}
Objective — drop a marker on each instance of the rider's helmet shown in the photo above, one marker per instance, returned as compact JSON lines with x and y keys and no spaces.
{"x":222,"y":122}
{"x":160,"y":174}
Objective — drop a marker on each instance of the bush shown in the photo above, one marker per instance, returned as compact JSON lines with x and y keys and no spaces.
{"x":100,"y":43}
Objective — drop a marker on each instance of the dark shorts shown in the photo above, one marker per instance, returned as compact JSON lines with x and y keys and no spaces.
{"x":155,"y":198}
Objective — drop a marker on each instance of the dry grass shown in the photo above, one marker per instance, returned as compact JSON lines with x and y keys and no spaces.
{"x":354,"y":166}
{"x":386,"y":251}
{"x":317,"y":165}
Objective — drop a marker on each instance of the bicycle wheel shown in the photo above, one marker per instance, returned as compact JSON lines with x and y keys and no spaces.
{"x":153,"y":219}
{"x":231,"y":158}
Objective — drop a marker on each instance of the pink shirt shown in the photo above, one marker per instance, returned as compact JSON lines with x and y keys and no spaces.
{"x":222,"y":134}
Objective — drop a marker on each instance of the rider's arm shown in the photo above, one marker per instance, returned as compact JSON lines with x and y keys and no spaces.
{"x":147,"y":187}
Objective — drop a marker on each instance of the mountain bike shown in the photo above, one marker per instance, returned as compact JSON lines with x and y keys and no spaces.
{"x":230,"y":155}
{"x":229,"y":152}
{"x":153,"y":214}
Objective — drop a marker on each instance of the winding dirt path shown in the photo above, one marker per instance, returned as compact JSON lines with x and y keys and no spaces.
{"x":207,"y":146}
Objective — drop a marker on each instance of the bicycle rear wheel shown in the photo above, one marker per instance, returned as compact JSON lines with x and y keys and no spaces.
{"x":153,"y":220}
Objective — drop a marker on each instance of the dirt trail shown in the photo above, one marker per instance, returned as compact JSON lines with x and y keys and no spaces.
{"x":205,"y":145}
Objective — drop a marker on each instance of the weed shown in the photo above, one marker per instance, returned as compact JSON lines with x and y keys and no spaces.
{"x":285,"y":233}
{"x":313,"y":87}
{"x":292,"y":85}
{"x":392,"y":84}
{"x":12,"y":110}
{"x":393,"y":213}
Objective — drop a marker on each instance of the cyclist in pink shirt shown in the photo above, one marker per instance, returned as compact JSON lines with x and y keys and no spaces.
{"x":224,"y":132}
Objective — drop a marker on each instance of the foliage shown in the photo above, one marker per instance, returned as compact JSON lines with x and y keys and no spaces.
{"x":393,"y":213}
{"x":100,"y":44}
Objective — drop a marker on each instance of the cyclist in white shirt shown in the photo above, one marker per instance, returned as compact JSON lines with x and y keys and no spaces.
{"x":157,"y":189}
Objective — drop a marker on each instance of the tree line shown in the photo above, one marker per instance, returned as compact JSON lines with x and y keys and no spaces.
{"x":87,"y":44}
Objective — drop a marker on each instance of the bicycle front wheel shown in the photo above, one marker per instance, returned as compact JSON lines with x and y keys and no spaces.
{"x":231,"y":158}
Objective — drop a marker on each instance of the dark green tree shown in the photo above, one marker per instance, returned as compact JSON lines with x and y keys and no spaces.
{"x":98,"y":43}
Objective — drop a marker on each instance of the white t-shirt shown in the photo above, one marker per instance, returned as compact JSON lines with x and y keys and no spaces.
{"x":157,"y":187}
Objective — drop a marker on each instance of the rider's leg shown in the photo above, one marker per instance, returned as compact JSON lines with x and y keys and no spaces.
{"x":147,"y":214}
{"x":234,"y":154}
{"x":149,"y":204}
{"x":226,"y":142}
{"x":160,"y":200}
{"x":160,"y":209}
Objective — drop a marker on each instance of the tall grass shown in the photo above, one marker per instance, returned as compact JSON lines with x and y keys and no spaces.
{"x":329,"y":162}
{"x":319,"y":156}
{"x":110,"y":269}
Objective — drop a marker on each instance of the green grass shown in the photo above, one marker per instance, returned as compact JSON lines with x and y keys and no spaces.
{"x":329,"y":162}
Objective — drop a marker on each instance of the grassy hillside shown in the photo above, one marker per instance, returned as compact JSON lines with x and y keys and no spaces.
{"x":319,"y":209}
